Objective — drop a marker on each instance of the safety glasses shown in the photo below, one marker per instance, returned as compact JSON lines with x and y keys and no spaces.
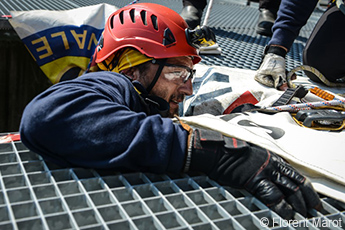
{"x":178,"y":72}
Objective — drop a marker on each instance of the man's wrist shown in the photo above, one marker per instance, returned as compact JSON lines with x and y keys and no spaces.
{"x":204,"y":151}
{"x":277,"y":49}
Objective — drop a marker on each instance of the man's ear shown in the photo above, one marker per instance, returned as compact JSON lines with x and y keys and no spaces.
{"x":131,"y":73}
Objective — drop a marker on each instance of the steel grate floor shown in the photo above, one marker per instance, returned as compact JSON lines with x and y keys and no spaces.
{"x":37,"y":195}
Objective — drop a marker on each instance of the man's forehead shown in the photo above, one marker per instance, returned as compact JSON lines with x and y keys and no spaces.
{"x":185,"y":60}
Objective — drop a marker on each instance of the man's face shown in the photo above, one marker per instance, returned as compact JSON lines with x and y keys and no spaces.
{"x":173,"y":84}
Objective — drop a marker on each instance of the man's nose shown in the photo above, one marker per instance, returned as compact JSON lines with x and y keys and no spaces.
{"x":186,"y":88}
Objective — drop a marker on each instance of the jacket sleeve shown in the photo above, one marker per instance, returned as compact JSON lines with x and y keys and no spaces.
{"x":95,"y":122}
{"x":292,"y":16}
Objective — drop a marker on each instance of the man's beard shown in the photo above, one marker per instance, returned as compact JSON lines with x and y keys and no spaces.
{"x":175,"y":111}
{"x":162,"y":93}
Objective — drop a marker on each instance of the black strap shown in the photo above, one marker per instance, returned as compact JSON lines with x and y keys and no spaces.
{"x":161,"y":63}
{"x":287,"y":96}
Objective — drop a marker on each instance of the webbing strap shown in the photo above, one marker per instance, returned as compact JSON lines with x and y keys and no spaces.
{"x":161,"y":63}
{"x":340,"y":5}
{"x":316,"y":73}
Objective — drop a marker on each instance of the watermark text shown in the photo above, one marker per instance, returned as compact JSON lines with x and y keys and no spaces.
{"x":316,"y":222}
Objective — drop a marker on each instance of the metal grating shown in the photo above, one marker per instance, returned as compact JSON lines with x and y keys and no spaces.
{"x":242,"y":48}
{"x":234,"y":25}
{"x":37,"y":195}
{"x":20,"y":5}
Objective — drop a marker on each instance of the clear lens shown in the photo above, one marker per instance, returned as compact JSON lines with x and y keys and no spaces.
{"x":177,"y":73}
{"x":183,"y":73}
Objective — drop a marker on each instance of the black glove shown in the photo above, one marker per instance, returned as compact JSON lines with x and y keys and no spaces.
{"x":235,"y":163}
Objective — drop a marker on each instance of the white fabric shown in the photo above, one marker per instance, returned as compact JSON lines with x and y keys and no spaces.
{"x":46,"y":19}
{"x":319,"y":155}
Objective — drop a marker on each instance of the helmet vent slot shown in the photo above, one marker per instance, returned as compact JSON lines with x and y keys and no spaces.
{"x":168,"y":37}
{"x":132,"y":14}
{"x":154,"y":22}
{"x":112,"y":22}
{"x":121,"y":17}
{"x":143,"y":17}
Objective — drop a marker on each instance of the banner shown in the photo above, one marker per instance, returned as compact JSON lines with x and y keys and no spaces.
{"x":62,"y":42}
{"x":319,"y":155}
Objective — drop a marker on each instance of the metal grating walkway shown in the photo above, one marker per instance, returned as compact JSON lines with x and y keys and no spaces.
{"x":37,"y":195}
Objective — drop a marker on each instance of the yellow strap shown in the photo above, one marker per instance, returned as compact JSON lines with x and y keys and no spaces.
{"x":319,"y":127}
{"x":137,"y":90}
{"x":314,"y":71}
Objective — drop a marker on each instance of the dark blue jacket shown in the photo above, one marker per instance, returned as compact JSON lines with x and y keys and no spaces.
{"x":292,"y":16}
{"x":98,"y":121}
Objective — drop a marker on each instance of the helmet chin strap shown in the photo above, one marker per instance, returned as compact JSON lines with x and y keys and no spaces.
{"x":161,"y":63}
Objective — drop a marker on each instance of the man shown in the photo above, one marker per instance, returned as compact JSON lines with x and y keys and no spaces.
{"x":193,"y":9}
{"x":116,"y":119}
{"x":324,"y":49}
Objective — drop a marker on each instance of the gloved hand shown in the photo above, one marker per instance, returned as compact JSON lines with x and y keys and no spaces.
{"x":272,"y":71}
{"x":238,"y":164}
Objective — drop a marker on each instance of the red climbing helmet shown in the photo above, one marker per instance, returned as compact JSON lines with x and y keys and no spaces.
{"x":152,"y":29}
